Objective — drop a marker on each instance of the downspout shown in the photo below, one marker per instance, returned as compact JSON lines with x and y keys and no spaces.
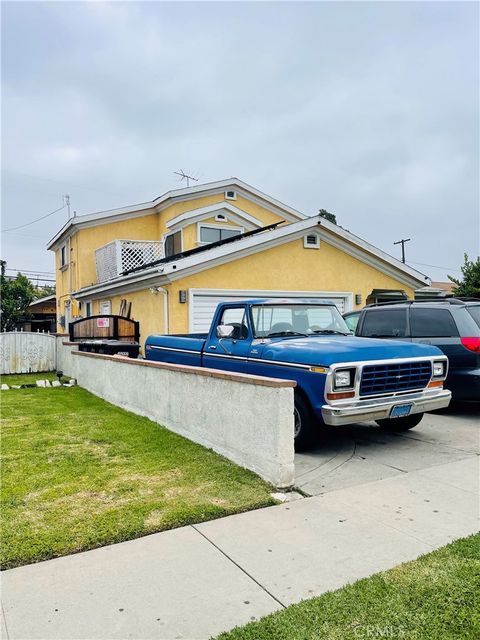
{"x":165,"y":307}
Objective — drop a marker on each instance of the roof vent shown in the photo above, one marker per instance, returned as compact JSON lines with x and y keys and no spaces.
{"x":230,"y":195}
{"x":312,"y":241}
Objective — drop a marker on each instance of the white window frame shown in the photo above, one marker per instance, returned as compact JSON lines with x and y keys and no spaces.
{"x":102,"y":303}
{"x":215,"y":226}
{"x":306,"y":245}
{"x":172,"y":233}
{"x":227,"y":197}
{"x":63,"y":257}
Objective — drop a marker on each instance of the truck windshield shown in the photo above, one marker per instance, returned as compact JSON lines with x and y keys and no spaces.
{"x":272,"y":320}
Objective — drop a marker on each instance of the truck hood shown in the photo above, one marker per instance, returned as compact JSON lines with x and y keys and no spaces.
{"x":328,"y":350}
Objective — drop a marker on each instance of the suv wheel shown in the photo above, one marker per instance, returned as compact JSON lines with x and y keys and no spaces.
{"x":400,"y":424}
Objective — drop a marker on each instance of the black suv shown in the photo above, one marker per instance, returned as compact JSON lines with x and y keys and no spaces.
{"x":451,"y":324}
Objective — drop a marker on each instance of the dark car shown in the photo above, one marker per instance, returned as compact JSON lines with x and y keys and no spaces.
{"x":452,"y":325}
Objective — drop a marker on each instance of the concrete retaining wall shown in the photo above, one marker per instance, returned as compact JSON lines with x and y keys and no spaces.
{"x":248,"y":419}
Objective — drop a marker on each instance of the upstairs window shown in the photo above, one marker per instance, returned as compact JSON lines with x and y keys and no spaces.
{"x":63,"y":256}
{"x":173,"y":244}
{"x":208,"y":234}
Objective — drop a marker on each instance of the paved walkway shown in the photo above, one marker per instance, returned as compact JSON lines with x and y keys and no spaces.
{"x":197,"y":581}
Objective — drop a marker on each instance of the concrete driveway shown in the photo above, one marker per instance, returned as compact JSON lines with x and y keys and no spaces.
{"x":356,"y":454}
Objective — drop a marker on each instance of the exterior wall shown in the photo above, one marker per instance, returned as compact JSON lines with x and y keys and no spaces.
{"x":286,"y":267}
{"x":247,"y":419}
{"x":147,"y":308}
{"x":81,"y":271}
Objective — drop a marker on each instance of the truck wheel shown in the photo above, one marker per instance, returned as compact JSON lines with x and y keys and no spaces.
{"x":303,"y":425}
{"x":400,"y":424}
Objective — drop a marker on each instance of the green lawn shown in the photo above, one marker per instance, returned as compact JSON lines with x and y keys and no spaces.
{"x":79,"y":473}
{"x":27,"y":378}
{"x":436,"y":597}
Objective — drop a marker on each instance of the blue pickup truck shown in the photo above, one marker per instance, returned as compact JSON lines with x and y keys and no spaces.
{"x":341,"y":379}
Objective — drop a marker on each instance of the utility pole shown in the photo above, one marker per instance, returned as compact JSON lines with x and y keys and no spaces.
{"x":66,"y":201}
{"x":402,"y":242}
{"x":184,"y":176}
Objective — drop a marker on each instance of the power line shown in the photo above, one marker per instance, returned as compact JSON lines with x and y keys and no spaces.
{"x":44,"y":273}
{"x":21,"y":226}
{"x":434,"y":266}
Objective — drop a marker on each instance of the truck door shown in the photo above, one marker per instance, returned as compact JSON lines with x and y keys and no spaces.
{"x":230,"y":353}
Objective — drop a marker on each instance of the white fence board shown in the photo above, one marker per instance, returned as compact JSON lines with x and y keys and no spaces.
{"x":27,"y":352}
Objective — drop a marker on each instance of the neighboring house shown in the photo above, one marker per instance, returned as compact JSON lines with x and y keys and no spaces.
{"x":435,"y":290}
{"x":212,"y":245}
{"x":44,"y":314}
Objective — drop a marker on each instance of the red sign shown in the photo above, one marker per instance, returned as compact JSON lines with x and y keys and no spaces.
{"x":103,"y":322}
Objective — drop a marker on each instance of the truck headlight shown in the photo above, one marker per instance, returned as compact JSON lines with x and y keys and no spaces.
{"x":343,"y":378}
{"x":438,"y":369}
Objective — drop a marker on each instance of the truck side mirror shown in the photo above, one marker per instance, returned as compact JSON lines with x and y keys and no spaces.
{"x":225,"y":331}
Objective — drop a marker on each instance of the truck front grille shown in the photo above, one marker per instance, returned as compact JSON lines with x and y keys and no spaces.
{"x":391,"y":378}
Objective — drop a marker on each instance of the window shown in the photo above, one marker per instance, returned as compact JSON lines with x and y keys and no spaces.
{"x":63,"y":256}
{"x":312,"y":241}
{"x":298,"y":318}
{"x":474,"y":311}
{"x":220,"y":217}
{"x":173,"y":244}
{"x":230,"y":195}
{"x":391,"y":323}
{"x":236,"y":318}
{"x":88,"y":308}
{"x":352,"y":321}
{"x":105,"y":307}
{"x":214,"y":234}
{"x":432,"y":323}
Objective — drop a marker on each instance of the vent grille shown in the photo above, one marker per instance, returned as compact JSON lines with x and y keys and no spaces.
{"x":391,"y":378}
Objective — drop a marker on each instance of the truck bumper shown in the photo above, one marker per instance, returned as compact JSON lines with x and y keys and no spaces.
{"x":379,"y":408}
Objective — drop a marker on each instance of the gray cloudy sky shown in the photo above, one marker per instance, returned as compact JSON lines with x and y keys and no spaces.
{"x":369,"y":110}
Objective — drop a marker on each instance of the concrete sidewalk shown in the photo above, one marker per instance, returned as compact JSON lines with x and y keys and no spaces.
{"x":197,"y":581}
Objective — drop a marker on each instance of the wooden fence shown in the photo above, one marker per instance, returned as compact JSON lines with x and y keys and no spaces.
{"x":27,"y":352}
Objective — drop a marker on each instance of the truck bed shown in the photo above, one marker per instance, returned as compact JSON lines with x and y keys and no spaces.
{"x":177,"y":349}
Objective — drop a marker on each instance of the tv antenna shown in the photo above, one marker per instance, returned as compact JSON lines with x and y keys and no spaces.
{"x":402,"y":242}
{"x":185,"y":176}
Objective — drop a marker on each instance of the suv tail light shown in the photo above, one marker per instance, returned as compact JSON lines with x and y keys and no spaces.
{"x":472,"y":344}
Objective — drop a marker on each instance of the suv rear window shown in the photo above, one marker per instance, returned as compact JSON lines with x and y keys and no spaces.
{"x":475,"y":313}
{"x":385,"y":323}
{"x":432,"y":323}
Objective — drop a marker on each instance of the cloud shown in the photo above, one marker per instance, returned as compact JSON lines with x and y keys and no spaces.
{"x":366,"y":109}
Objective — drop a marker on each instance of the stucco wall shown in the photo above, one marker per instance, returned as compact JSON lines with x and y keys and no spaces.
{"x":288,"y":267}
{"x":248,"y":419}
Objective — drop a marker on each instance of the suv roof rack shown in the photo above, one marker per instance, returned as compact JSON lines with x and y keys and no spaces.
{"x":434,"y":300}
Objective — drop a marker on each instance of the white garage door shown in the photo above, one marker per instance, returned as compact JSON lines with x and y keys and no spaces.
{"x":203,"y":302}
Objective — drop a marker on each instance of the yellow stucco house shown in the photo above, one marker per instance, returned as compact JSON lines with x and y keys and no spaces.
{"x":170,"y":261}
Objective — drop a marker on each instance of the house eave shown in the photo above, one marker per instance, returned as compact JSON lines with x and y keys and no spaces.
{"x":329,"y":233}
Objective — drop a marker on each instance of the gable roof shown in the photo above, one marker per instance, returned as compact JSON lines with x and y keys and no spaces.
{"x":178,"y":195}
{"x":175,"y":267}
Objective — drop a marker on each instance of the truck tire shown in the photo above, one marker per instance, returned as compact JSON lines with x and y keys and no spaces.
{"x":304,"y":435}
{"x":400,"y":424}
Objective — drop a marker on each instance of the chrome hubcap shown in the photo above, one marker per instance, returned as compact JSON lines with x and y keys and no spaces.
{"x":297,"y":427}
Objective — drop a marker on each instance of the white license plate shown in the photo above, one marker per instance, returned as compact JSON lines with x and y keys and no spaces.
{"x":122,"y":353}
{"x":400,"y":411}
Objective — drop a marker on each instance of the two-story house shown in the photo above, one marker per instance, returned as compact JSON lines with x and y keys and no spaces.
{"x":171,"y":260}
